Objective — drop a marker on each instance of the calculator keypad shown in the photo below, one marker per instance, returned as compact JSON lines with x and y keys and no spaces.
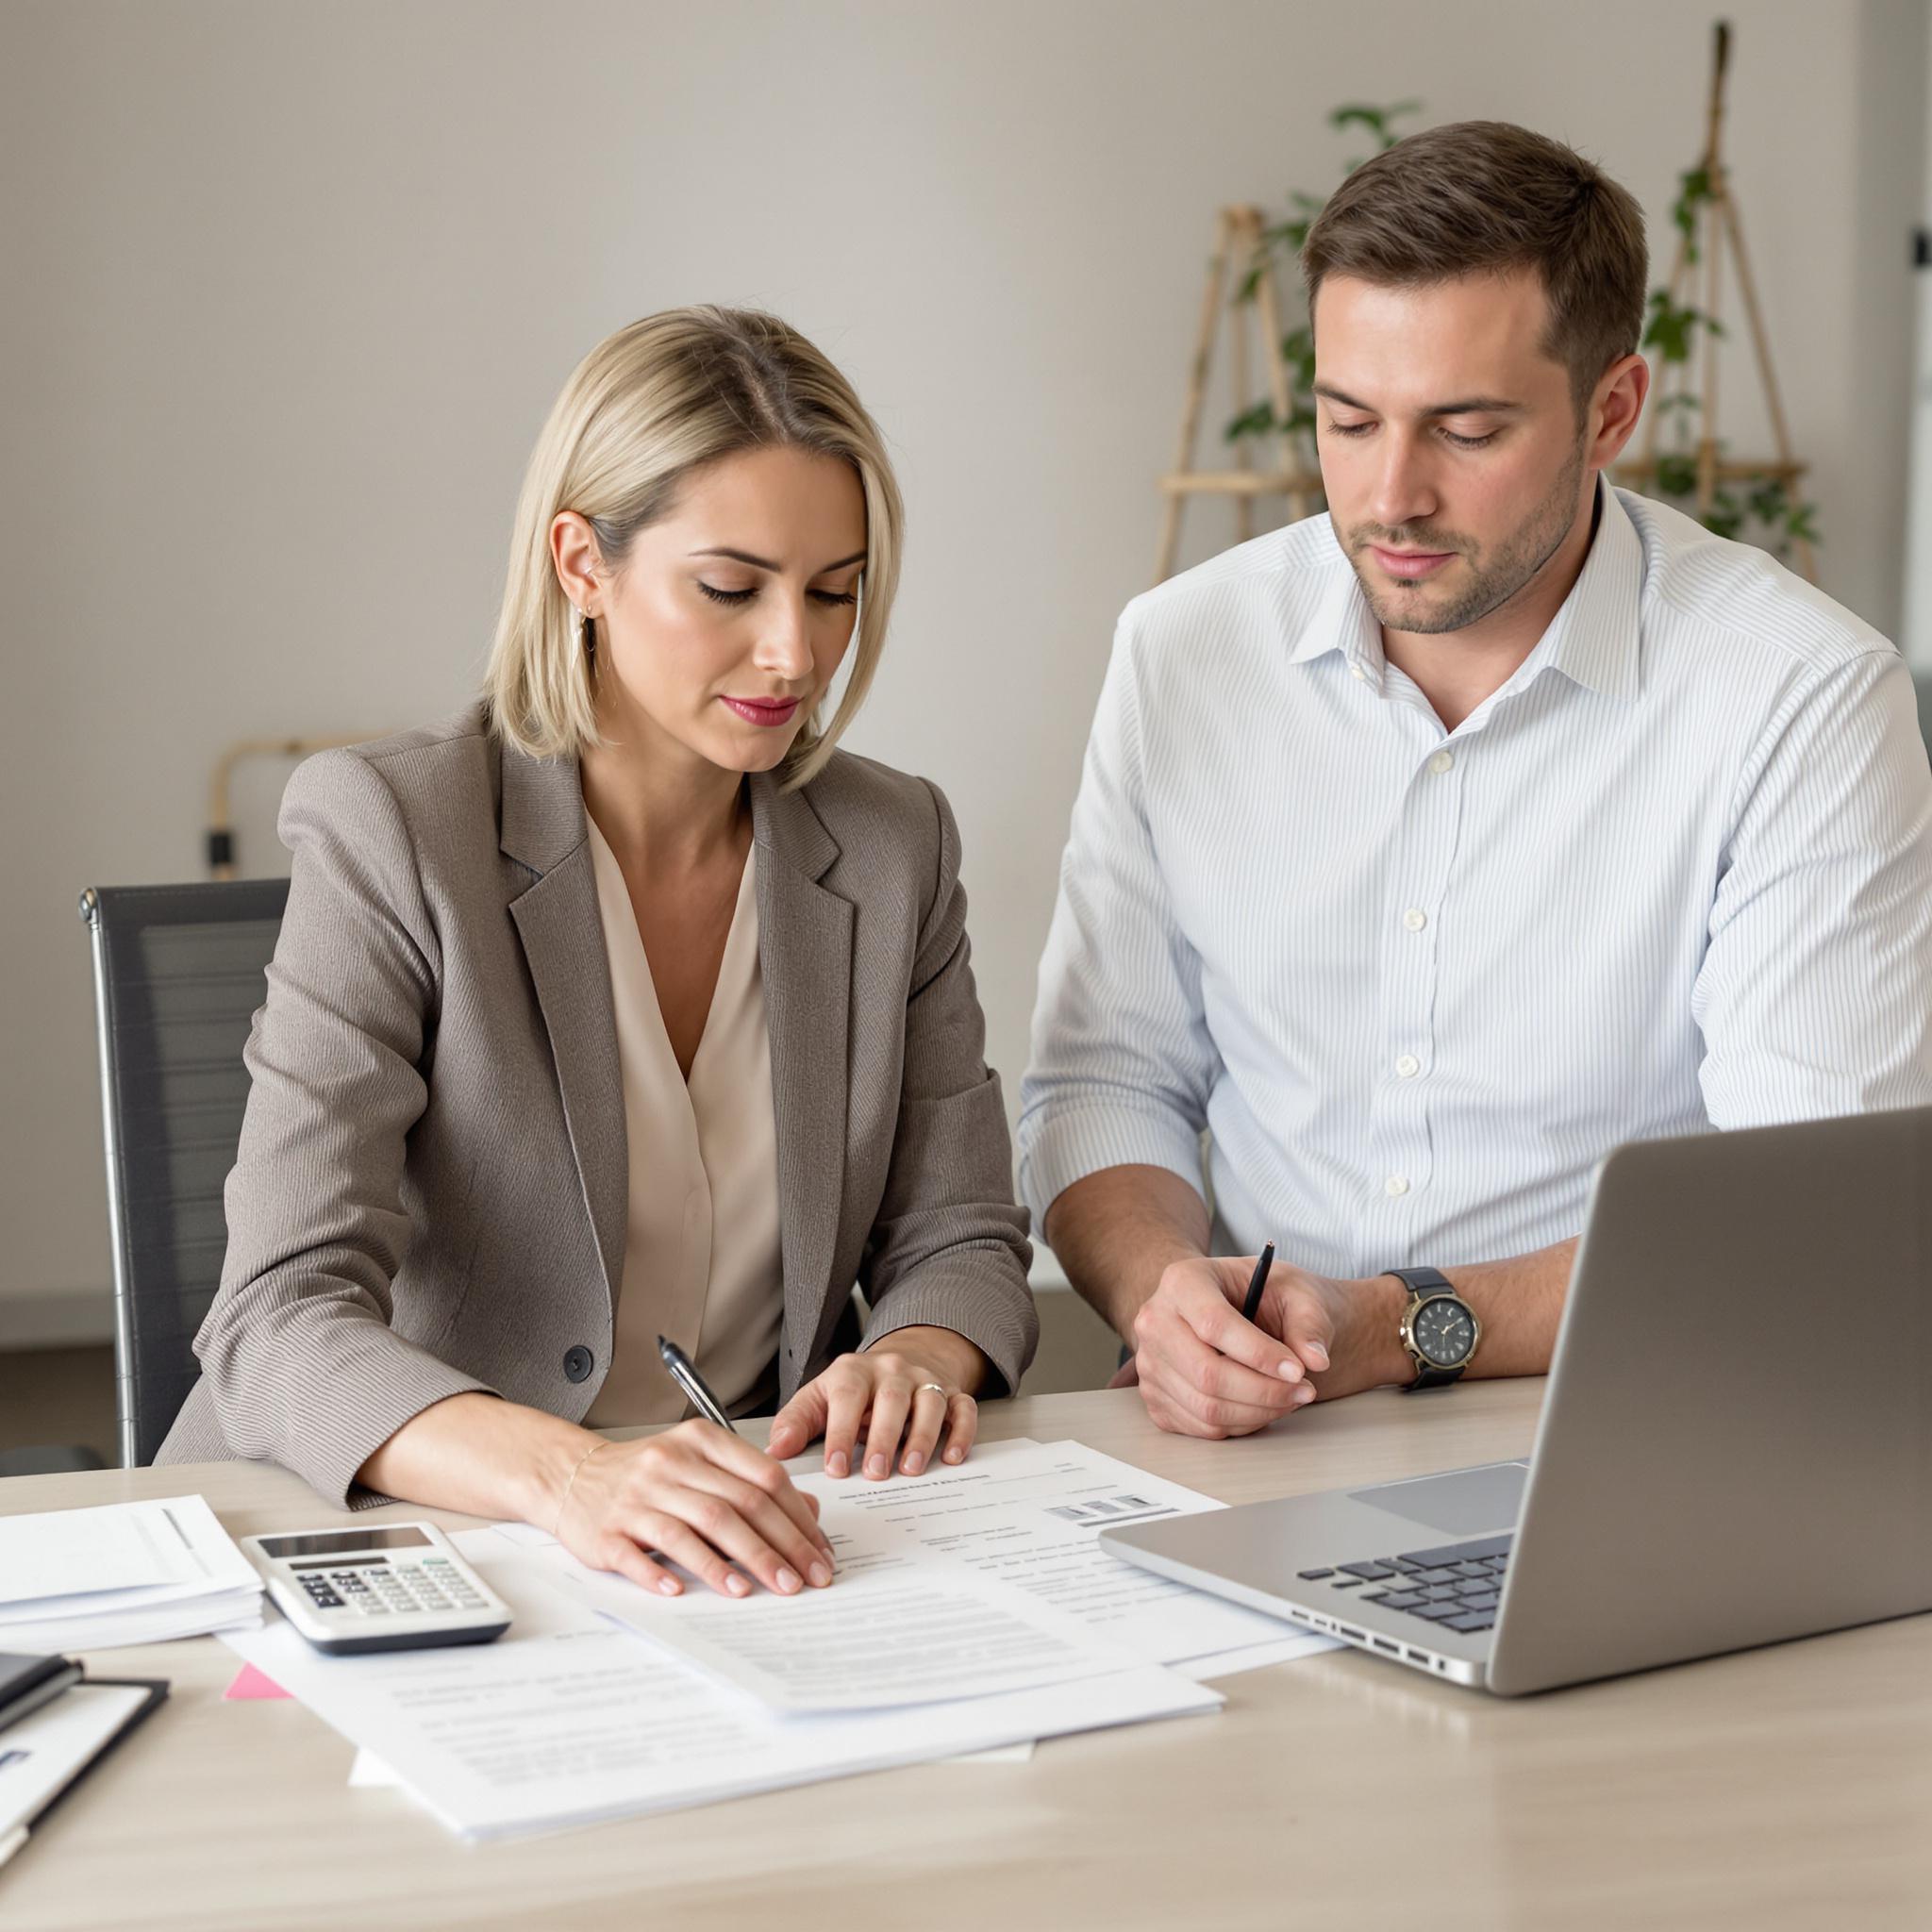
{"x":434,"y":1587}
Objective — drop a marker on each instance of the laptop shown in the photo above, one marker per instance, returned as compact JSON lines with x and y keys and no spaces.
{"x":1735,"y":1447}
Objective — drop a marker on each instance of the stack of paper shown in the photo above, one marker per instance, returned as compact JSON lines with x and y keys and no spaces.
{"x":571,"y":1719}
{"x":127,"y":1572}
{"x":974,"y":1609}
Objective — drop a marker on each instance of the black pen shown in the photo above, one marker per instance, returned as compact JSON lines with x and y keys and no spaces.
{"x":1252,"y":1305}
{"x":693,"y":1383}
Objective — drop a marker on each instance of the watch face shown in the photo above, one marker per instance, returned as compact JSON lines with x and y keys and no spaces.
{"x":1442,"y":1331}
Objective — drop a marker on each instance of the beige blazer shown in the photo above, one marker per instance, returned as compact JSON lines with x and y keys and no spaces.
{"x":429,"y":1194}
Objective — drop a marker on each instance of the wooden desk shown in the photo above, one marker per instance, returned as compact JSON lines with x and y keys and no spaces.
{"x":1782,"y":1788}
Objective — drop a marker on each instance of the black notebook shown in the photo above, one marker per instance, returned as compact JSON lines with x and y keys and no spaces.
{"x":43,"y":1757}
{"x":29,"y":1682}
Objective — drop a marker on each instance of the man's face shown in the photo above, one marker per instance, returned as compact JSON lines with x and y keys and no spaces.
{"x":1451,"y":453}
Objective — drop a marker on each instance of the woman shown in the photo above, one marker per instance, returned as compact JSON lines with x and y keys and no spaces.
{"x":622,"y":1004}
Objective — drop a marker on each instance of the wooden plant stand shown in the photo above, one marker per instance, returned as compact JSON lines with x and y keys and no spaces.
{"x":1238,"y":240}
{"x":1717,"y":221}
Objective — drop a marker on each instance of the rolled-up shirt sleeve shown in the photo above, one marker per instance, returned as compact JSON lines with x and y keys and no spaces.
{"x":1814,"y":998}
{"x":1122,"y":1062}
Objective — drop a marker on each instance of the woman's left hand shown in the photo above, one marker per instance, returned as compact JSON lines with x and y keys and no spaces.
{"x":899,"y":1397}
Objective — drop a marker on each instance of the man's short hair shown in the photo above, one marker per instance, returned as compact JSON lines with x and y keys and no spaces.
{"x":1486,"y":197}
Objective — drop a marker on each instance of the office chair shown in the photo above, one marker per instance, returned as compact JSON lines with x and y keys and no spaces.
{"x":178,"y":972}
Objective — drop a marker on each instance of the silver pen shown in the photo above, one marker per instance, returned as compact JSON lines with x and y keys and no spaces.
{"x":693,"y":1384}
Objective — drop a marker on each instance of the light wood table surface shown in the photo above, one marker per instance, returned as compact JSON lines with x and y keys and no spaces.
{"x":1783,"y":1787}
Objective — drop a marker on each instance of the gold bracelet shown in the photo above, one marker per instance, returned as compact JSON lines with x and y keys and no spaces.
{"x":563,"y":1502}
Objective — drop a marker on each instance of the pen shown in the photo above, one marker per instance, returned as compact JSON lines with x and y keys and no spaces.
{"x":693,"y":1383}
{"x":1251,"y":1307}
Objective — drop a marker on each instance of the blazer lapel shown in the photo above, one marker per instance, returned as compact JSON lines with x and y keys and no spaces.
{"x":556,"y":919}
{"x":805,"y":959}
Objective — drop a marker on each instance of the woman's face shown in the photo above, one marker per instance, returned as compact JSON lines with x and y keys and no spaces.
{"x":725,"y":623}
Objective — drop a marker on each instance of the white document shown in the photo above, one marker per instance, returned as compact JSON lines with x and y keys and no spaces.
{"x":59,"y":1553}
{"x":1024,"y":1513}
{"x":124,"y":1573}
{"x":1031,"y":1514}
{"x":898,"y":1628}
{"x":569,"y":1719}
{"x":367,"y":1771}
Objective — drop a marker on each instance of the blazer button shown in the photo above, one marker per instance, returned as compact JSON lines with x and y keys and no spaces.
{"x":577,"y":1363}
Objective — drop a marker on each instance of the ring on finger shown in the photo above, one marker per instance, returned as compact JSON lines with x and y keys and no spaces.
{"x":935,"y":1388}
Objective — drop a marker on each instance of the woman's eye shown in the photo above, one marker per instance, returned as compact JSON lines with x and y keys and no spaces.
{"x":836,"y":596}
{"x":717,"y":596}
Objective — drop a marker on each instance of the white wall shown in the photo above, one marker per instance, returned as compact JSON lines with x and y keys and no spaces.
{"x":1916,"y":629}
{"x":289,"y":289}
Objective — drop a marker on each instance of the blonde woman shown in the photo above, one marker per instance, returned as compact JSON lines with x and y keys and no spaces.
{"x":622,"y":1005}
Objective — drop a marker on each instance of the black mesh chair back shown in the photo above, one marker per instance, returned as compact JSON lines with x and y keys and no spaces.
{"x":178,"y":972}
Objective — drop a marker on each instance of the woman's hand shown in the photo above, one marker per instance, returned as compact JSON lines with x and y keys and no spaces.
{"x":702,"y":1497}
{"x":888,"y":1394}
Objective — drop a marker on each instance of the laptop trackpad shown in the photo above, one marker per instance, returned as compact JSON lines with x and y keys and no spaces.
{"x":1462,"y":1502}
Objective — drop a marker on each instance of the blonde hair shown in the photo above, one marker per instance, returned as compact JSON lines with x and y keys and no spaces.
{"x":643,"y":410}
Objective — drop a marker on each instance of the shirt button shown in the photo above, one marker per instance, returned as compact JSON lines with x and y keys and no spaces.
{"x":1415,"y":919}
{"x":1356,"y":671}
{"x":1395,"y":1184}
{"x":1409,"y":1066}
{"x":578,"y":1362}
{"x":1440,"y":763}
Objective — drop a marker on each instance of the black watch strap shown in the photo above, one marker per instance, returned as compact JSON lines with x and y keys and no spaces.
{"x":1420,"y":1283}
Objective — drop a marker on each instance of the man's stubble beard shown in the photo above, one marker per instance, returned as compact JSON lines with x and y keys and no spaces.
{"x":1492,"y":584}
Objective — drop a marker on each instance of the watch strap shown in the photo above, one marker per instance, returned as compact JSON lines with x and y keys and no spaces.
{"x":1424,"y":1281}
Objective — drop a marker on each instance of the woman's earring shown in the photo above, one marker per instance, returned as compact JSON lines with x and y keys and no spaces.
{"x":586,"y":637}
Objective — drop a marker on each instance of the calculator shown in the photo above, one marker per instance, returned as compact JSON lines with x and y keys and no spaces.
{"x":394,"y":1586}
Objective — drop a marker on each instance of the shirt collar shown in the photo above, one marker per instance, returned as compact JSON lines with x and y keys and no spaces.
{"x":1593,"y":639}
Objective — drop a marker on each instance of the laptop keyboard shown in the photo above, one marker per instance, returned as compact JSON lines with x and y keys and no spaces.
{"x":1455,"y":1587}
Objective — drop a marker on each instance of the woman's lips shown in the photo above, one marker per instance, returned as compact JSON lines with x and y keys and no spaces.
{"x":1410,"y":563}
{"x":763,"y":710}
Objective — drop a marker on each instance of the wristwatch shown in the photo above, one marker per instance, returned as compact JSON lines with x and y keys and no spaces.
{"x":1439,"y":1328}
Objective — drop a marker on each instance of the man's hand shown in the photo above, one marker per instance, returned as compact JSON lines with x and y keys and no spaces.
{"x":1202,"y":1371}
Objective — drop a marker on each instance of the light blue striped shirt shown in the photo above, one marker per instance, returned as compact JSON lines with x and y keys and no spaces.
{"x":1676,"y":871}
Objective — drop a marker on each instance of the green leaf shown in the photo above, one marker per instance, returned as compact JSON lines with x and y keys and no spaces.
{"x":1258,"y":418}
{"x":1676,"y":476}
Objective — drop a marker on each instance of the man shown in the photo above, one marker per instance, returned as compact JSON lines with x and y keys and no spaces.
{"x":1427,"y":849}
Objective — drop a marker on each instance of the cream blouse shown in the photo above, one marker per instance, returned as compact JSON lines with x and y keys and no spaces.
{"x":701,"y":1260}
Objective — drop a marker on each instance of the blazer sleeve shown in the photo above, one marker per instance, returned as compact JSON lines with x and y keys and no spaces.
{"x":302,"y":1362}
{"x":948,"y":1246}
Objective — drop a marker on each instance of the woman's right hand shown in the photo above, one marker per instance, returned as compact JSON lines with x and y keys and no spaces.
{"x":701,"y":1497}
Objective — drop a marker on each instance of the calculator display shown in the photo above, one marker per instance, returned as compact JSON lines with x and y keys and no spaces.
{"x":342,"y":1542}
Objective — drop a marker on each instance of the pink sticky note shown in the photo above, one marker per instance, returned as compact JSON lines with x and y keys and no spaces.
{"x":249,"y":1682}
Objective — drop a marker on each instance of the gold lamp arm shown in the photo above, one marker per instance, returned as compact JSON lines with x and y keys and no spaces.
{"x":221,"y":829}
